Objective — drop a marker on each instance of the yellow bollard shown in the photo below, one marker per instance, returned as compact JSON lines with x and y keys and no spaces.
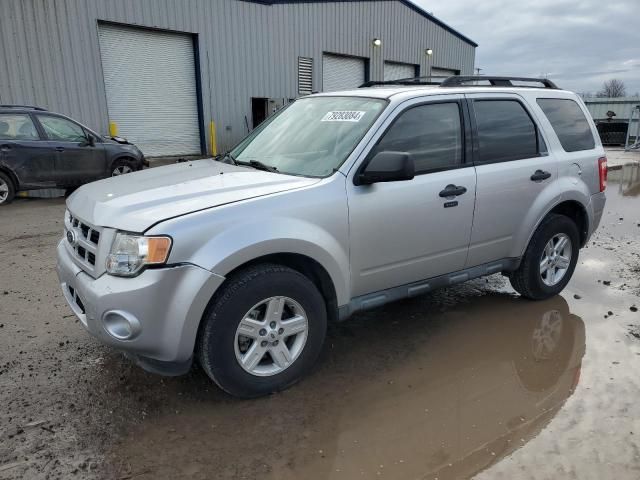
{"x":113,"y":129}
{"x":212,"y":138}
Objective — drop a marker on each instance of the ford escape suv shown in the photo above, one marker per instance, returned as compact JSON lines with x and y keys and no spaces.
{"x":340,"y":202}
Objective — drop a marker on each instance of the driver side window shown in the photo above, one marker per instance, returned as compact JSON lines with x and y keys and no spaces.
{"x":431,"y":134}
{"x":61,"y":129}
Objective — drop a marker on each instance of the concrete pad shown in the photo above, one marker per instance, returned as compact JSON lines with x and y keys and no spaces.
{"x":617,"y":158}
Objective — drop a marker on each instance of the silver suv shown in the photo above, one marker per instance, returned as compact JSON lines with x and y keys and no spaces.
{"x":339,"y":203}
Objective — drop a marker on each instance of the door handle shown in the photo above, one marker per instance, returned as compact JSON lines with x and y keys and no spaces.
{"x":540,"y":175}
{"x":59,"y":149}
{"x":452,"y":191}
{"x":5,"y":148}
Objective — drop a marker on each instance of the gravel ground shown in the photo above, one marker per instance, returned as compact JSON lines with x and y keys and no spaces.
{"x":467,"y":381}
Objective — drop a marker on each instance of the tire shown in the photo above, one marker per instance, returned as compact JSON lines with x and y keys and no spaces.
{"x":123,"y":166}
{"x":7,"y":189}
{"x":529,"y":279}
{"x":220,"y":341}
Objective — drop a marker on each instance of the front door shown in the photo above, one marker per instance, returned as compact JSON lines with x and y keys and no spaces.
{"x":24,"y":153}
{"x":78,"y":161}
{"x":402,"y":232}
{"x":513,"y":169}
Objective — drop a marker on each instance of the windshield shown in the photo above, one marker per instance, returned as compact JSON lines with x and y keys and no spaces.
{"x":311,"y":137}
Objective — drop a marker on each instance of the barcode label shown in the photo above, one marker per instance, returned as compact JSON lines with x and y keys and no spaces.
{"x":343,"y":116}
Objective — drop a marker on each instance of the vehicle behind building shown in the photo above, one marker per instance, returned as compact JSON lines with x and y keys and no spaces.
{"x":338,"y":203}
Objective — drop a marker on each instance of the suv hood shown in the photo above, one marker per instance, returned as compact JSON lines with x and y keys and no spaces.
{"x":136,"y":201}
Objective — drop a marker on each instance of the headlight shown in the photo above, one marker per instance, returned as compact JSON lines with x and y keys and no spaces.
{"x":131,"y":253}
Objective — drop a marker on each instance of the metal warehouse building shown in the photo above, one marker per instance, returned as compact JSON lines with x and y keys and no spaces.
{"x":170,"y":75}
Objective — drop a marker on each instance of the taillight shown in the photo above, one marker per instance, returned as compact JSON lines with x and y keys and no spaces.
{"x":602,"y":169}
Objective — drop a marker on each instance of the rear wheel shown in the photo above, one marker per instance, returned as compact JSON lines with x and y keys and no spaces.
{"x":550,"y":259}
{"x":7,"y":189}
{"x":263,"y":331}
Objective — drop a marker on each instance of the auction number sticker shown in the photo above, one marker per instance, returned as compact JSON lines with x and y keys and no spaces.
{"x":343,"y":116}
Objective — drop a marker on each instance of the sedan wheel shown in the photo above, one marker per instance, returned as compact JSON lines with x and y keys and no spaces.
{"x":4,"y":190}
{"x":7,"y":190}
{"x":121,"y":170}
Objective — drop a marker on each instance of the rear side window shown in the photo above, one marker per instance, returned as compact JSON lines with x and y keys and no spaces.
{"x":17,"y":127}
{"x":569,"y":123}
{"x":505,"y":131}
{"x":431,"y":133}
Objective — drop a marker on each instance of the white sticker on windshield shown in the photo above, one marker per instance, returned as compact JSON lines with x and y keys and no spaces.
{"x":343,"y":116}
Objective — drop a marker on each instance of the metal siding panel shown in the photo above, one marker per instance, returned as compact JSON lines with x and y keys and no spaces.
{"x":246,"y":49}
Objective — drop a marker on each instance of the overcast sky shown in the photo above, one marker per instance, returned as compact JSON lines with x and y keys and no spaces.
{"x":578,"y":44}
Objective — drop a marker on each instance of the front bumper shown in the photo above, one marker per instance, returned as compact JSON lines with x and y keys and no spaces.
{"x":166,"y":303}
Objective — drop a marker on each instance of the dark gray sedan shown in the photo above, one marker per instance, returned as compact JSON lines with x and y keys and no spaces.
{"x":41,"y":149}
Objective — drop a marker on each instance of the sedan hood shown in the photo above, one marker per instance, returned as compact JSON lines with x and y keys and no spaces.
{"x":136,"y":201}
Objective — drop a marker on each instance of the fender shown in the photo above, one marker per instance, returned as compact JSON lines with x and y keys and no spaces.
{"x":562,"y":190}
{"x":239,"y":245}
{"x":224,"y":238}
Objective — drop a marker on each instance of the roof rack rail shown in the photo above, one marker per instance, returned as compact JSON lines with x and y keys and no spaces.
{"x":31,"y":107}
{"x":400,"y":81}
{"x":464,"y":80}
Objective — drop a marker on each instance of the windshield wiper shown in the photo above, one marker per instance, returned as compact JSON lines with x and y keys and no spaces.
{"x":225,"y":157}
{"x":258,"y":165}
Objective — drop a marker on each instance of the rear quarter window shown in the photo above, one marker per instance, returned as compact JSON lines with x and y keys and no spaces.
{"x":569,"y":123}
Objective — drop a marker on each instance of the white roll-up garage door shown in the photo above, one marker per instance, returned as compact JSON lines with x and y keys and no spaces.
{"x":151,"y":89}
{"x":439,"y":74}
{"x":342,"y":73}
{"x":398,"y":71}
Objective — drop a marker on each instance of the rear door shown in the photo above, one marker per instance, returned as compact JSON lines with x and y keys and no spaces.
{"x":24,"y":152}
{"x":78,"y":161}
{"x":513,"y":167}
{"x":402,"y":232}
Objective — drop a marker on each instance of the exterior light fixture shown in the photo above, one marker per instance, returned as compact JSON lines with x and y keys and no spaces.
{"x":377,"y":42}
{"x":429,"y":51}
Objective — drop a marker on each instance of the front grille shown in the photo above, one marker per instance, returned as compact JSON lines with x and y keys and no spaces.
{"x":88,"y":233}
{"x":83,"y":241}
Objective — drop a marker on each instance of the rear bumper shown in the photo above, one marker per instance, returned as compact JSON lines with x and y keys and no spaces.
{"x":595,"y":210}
{"x":160,"y":310}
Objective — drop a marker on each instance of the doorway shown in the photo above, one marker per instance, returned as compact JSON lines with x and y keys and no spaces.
{"x":259,"y":107}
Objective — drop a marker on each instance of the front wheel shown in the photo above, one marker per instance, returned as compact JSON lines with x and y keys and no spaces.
{"x":263,"y":331}
{"x":550,"y":259}
{"x":122,"y":167}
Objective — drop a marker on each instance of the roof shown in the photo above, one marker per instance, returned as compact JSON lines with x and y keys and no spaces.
{"x":407,"y":3}
{"x":405,"y":92}
{"x":21,"y":108}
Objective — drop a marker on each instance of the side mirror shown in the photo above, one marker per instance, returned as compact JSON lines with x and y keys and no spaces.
{"x":386,"y":167}
{"x":89,"y":141}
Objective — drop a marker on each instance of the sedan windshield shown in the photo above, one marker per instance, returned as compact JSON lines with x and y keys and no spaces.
{"x":311,"y":137}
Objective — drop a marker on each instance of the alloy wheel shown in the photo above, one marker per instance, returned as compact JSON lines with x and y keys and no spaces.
{"x":121,"y":170}
{"x":4,"y":191}
{"x":271,"y":336}
{"x":555,"y":259}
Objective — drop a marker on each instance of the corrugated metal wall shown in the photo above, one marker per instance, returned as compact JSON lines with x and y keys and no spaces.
{"x":50,"y":57}
{"x":621,"y":106}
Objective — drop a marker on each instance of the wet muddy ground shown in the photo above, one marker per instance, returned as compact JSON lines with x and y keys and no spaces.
{"x":467,"y":381}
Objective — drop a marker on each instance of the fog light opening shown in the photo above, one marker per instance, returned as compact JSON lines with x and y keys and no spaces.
{"x":121,"y":325}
